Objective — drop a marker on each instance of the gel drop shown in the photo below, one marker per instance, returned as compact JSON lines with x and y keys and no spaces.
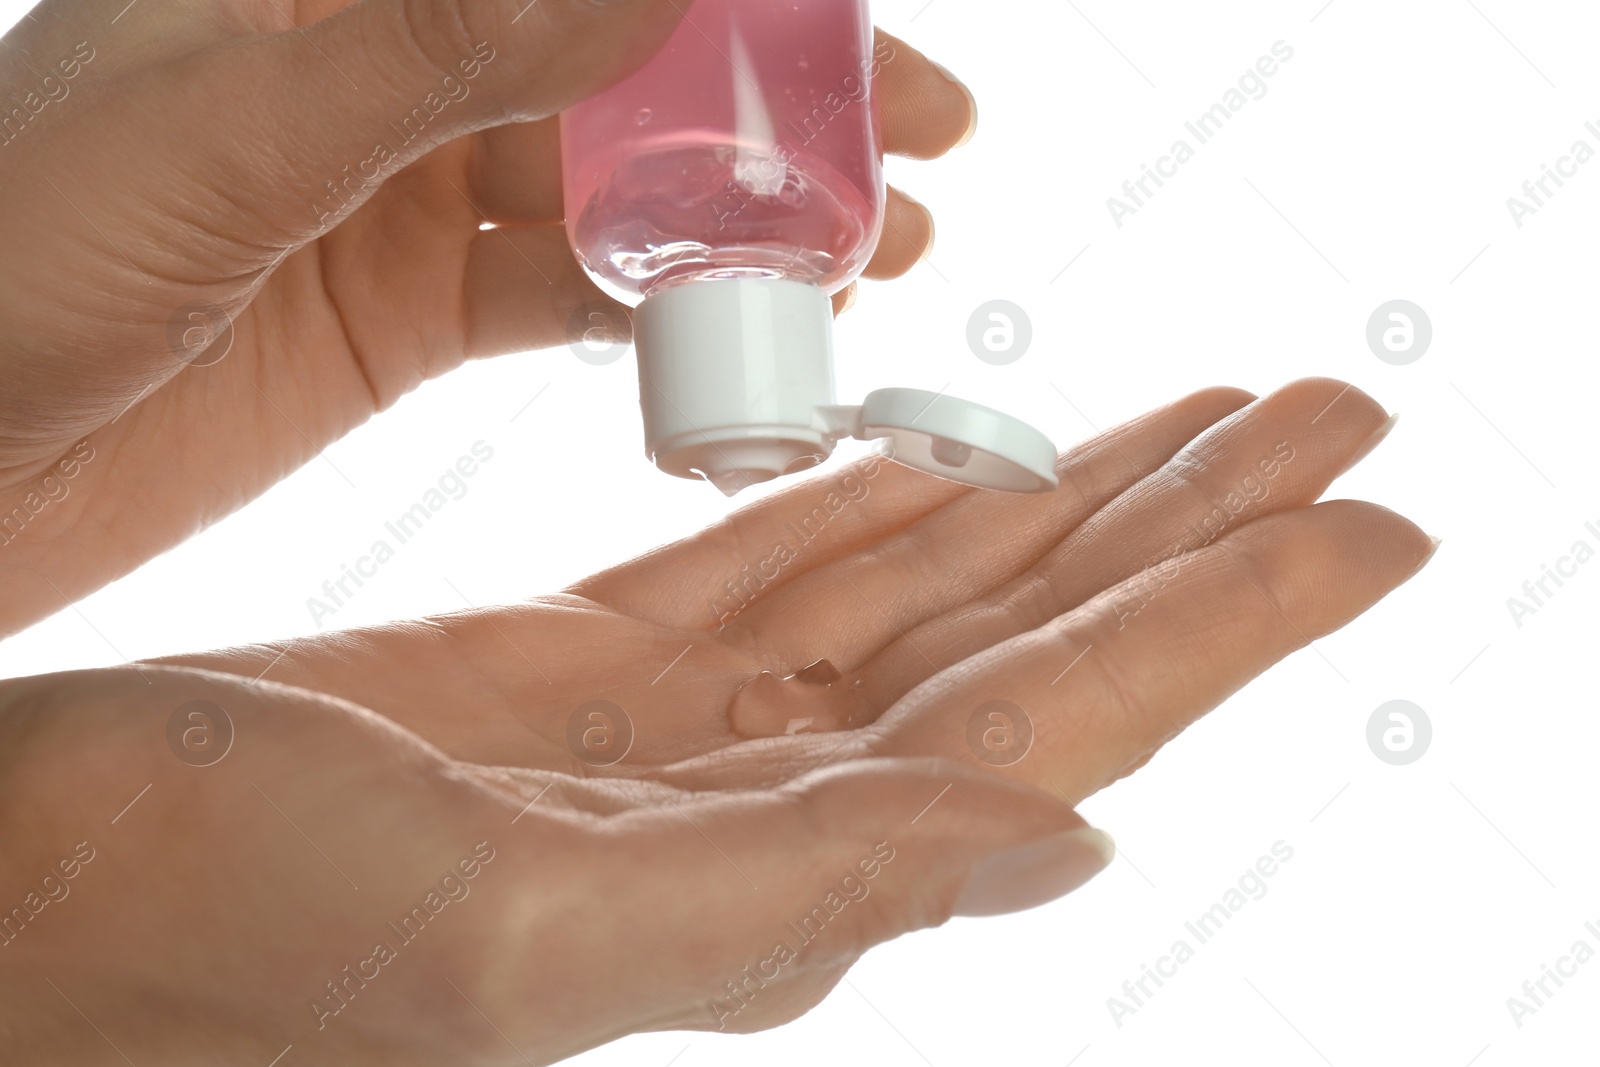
{"x":726,"y":190}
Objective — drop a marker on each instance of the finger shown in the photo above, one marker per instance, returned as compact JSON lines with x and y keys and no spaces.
{"x":1279,"y":453}
{"x":926,"y":110}
{"x":68,"y":42}
{"x":1110,"y":682}
{"x":968,"y":548}
{"x":406,"y":77}
{"x":838,"y":861}
{"x":515,"y":173}
{"x":845,"y":299}
{"x":908,"y":233}
{"x":523,"y":290}
{"x":704,"y":580}
{"x":820,"y":521}
{"x":384,"y":56}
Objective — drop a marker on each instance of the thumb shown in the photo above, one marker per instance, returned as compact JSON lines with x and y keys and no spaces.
{"x":352,"y":99}
{"x":264,"y":142}
{"x":855,"y":855}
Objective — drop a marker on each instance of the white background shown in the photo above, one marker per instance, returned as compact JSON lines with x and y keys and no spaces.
{"x":1420,"y":897}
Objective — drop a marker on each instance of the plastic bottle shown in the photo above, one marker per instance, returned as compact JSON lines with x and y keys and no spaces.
{"x":727,"y":190}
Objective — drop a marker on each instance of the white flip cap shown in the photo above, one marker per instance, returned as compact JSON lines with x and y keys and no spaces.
{"x":736,"y":387}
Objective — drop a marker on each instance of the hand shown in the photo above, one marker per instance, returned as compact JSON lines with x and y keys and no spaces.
{"x":205,"y":164}
{"x":1182,"y":556}
{"x":333,"y":888}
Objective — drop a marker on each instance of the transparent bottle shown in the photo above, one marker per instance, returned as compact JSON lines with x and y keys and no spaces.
{"x":727,"y":190}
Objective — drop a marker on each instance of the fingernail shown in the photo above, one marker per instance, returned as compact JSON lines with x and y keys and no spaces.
{"x":1437,"y":541}
{"x":1373,"y":442}
{"x":1035,"y":872}
{"x":849,"y":298}
{"x":972,"y":104}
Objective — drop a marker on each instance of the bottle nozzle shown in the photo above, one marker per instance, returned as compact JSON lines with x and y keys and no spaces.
{"x":729,"y":482}
{"x":735,"y":465}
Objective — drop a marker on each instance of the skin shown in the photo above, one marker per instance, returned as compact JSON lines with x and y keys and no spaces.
{"x":241,"y":859}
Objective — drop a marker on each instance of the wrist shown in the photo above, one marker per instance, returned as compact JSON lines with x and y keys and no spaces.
{"x":65,"y":753}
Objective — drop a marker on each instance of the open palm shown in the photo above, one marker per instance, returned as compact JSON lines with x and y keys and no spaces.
{"x":1182,"y":556}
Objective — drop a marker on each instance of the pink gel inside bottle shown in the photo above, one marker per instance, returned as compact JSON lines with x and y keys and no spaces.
{"x":748,"y":147}
{"x":727,"y":189}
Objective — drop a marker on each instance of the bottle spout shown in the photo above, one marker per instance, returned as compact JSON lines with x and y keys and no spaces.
{"x":735,"y":465}
{"x":730,"y":481}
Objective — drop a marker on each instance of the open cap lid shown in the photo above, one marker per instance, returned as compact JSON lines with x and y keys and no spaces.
{"x":736,"y":387}
{"x":959,"y":440}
